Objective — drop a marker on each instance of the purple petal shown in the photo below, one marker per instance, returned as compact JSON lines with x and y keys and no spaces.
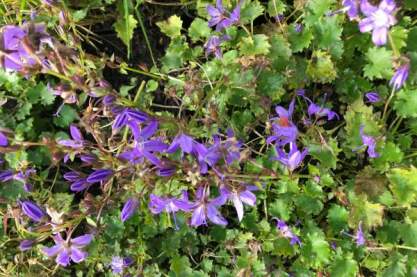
{"x":129,"y":209}
{"x":6,"y":175}
{"x":82,"y":241}
{"x":198,"y":218}
{"x":238,"y":206}
{"x":72,"y":176}
{"x":32,"y":210}
{"x":366,"y":25}
{"x":75,"y":133}
{"x":379,"y":36}
{"x":248,"y":198}
{"x":63,"y":257}
{"x":77,"y":255}
{"x":214,"y":215}
{"x":52,"y":251}
{"x":3,"y":140}
{"x":26,"y":244}
{"x":99,"y":175}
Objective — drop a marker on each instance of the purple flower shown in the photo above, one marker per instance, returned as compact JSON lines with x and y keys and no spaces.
{"x":99,"y":175}
{"x":207,"y":208}
{"x":129,"y":208}
{"x":352,"y":8}
{"x":26,"y":244}
{"x":77,"y":140}
{"x":23,"y":176}
{"x":298,"y":28}
{"x":378,"y":20}
{"x":6,"y":175}
{"x":20,"y":47}
{"x":219,"y":18}
{"x":314,"y":109}
{"x":144,"y":149}
{"x":400,"y":76}
{"x":129,"y":114}
{"x":228,"y":150}
{"x":293,"y":158}
{"x":172,"y":205}
{"x":32,"y":210}
{"x":68,"y":250}
{"x":183,"y":142}
{"x":369,"y":142}
{"x":360,"y":239}
{"x":284,"y":130}
{"x":118,"y":264}
{"x":373,"y":97}
{"x":79,"y":183}
{"x":286,"y":232}
{"x":3,"y":140}
{"x":213,"y":45}
{"x":88,"y":158}
{"x":239,"y":196}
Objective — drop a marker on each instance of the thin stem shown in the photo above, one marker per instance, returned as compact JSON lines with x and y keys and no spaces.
{"x":384,"y":114}
{"x":142,"y":26}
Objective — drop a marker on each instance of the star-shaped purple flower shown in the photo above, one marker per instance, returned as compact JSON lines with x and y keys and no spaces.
{"x":68,"y":250}
{"x":370,"y":142}
{"x":293,"y":158}
{"x":378,"y":20}
{"x":204,"y":208}
{"x":240,"y":196}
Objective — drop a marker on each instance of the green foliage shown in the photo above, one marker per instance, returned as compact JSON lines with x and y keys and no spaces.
{"x":379,"y":64}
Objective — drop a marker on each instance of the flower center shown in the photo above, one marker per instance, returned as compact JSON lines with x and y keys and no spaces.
{"x":381,"y":18}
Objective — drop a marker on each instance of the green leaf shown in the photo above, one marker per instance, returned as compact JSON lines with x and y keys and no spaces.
{"x":276,"y":7}
{"x":344,"y":266}
{"x":171,"y":27}
{"x":404,"y":185}
{"x":406,"y":103}
{"x":180,"y":265}
{"x":399,"y":37}
{"x":408,"y":234}
{"x":280,"y":52}
{"x":325,"y":153}
{"x":328,"y":34}
{"x":256,"y":45}
{"x":299,"y":40}
{"x":317,"y":250}
{"x":397,"y":267}
{"x":370,"y":214}
{"x":379,"y":64}
{"x":66,"y":116}
{"x":199,"y":29}
{"x":125,"y":24}
{"x":337,"y":217}
{"x":321,"y":68}
{"x":251,"y":11}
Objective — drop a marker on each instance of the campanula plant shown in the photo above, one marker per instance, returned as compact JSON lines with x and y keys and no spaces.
{"x":208,"y":138}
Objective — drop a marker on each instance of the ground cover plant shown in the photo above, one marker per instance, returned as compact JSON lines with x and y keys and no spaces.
{"x":208,"y":138}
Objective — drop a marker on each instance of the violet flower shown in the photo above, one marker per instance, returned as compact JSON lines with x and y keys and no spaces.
{"x":18,"y":43}
{"x":77,"y":140}
{"x":373,"y":97}
{"x":359,"y":237}
{"x":378,"y":20}
{"x":68,"y":250}
{"x":118,"y":264}
{"x":370,"y":142}
{"x":239,"y":197}
{"x":26,"y":244}
{"x":207,"y":208}
{"x":352,"y":8}
{"x":284,"y":130}
{"x":78,"y":182}
{"x":171,"y":205}
{"x":286,"y":232}
{"x":293,"y":158}
{"x":228,"y":150}
{"x":400,"y":76}
{"x":129,"y":209}
{"x":314,"y":109}
{"x":21,"y":176}
{"x":213,"y":46}
{"x":129,"y":114}
{"x":219,"y":18}
{"x":3,"y":140}
{"x":32,"y":210}
{"x":99,"y":175}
